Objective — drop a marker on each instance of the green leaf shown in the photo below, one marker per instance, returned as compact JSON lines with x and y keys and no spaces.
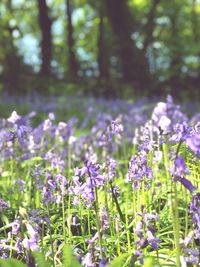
{"x":40,"y":259}
{"x":150,"y":262}
{"x":6,"y":174}
{"x":69,"y":260}
{"x":31,"y":161}
{"x":11,"y":263}
{"x":120,"y":260}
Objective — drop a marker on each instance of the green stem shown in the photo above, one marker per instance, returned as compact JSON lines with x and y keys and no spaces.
{"x":175,"y":214}
{"x":176,"y":226}
{"x":127,"y":228}
{"x":117,"y":203}
{"x":107,"y":207}
{"x":63,"y":218}
{"x":51,"y":239}
{"x":96,"y":209}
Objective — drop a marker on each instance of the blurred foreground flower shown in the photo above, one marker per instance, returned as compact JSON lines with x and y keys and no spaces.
{"x":193,"y":141}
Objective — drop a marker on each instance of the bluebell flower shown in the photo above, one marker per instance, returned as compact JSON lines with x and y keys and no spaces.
{"x":112,"y":164}
{"x":178,"y":168}
{"x":178,"y":171}
{"x":3,"y":204}
{"x":87,"y":260}
{"x":187,"y":184}
{"x":14,"y":118}
{"x":193,"y":142}
{"x":31,"y":242}
{"x":181,"y":132}
{"x":139,"y":170}
{"x":166,"y":114}
{"x":18,"y":245}
{"x":15,"y":227}
{"x":195,"y":214}
{"x":5,"y":256}
{"x":105,"y":224}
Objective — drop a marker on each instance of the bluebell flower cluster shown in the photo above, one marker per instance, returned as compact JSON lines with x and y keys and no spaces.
{"x":102,"y":181}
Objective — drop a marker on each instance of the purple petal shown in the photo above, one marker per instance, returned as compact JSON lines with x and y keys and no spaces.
{"x":187,"y":184}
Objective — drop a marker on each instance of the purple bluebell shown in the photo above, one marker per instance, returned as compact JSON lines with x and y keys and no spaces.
{"x":31,"y":242}
{"x":181,"y":132}
{"x":193,"y":140}
{"x":103,"y":214}
{"x":87,"y":260}
{"x":49,"y":189}
{"x":187,"y":184}
{"x":195,"y":214}
{"x":192,"y":256}
{"x":145,"y":231}
{"x":62,"y":183}
{"x":93,"y":239}
{"x":112,"y":164}
{"x":178,"y":171}
{"x":18,"y":245}
{"x":4,"y":256}
{"x":3,"y":204}
{"x":14,"y":118}
{"x":166,"y":114}
{"x":15,"y":227}
{"x":139,"y":170}
{"x":153,"y":240}
{"x":179,"y":167}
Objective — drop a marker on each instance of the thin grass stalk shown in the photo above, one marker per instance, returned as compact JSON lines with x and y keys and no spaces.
{"x":63,"y":222}
{"x":127,"y":225}
{"x":176,"y":226}
{"x":96,"y":209}
{"x":51,"y":238}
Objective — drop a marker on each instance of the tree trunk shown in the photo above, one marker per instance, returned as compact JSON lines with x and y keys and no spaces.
{"x":133,"y":62}
{"x":11,"y":61}
{"x":195,"y":31}
{"x":102,"y":49}
{"x":149,"y":26}
{"x":104,"y":82}
{"x":73,"y":64}
{"x":176,"y":54}
{"x":46,"y":38}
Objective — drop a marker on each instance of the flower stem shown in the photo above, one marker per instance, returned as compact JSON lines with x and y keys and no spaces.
{"x":96,"y":209}
{"x":63,"y":218}
{"x":51,"y":239}
{"x":176,"y":226}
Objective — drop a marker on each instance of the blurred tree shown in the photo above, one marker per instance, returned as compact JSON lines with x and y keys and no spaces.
{"x":103,"y":55}
{"x":176,"y":52}
{"x":103,"y":60}
{"x":195,"y":30}
{"x":105,"y":44}
{"x":133,"y":61}
{"x":150,"y":24}
{"x":45,"y":23}
{"x":11,"y":61}
{"x":73,"y":64}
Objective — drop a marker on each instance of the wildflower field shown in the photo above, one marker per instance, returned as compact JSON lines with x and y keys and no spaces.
{"x":116,"y":184}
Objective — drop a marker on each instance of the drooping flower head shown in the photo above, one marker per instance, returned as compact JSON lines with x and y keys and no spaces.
{"x":193,"y":140}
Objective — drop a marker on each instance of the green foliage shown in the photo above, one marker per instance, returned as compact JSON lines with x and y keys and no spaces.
{"x":173,"y":48}
{"x":120,"y":261}
{"x":117,"y":239}
{"x":11,"y":263}
{"x":150,"y":262}
{"x":40,"y":260}
{"x":69,"y":260}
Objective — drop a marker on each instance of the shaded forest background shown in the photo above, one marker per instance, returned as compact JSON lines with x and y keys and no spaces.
{"x":115,"y":48}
